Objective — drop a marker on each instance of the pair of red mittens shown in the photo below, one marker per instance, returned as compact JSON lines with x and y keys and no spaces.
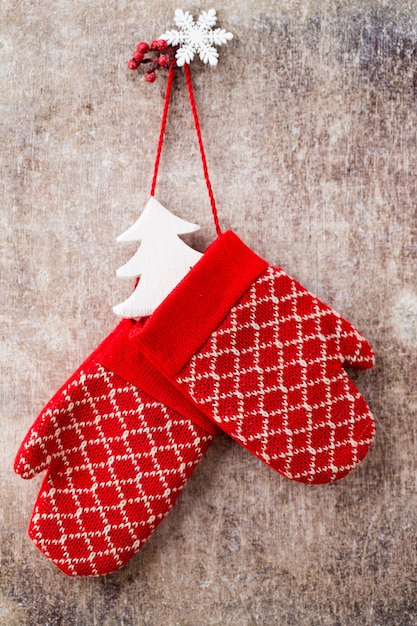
{"x":254,"y":352}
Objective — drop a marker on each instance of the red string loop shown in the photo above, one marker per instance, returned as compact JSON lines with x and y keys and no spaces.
{"x":200,"y":145}
{"x":199,"y":137}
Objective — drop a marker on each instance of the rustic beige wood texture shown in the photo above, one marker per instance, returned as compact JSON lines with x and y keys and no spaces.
{"x":310,"y":129}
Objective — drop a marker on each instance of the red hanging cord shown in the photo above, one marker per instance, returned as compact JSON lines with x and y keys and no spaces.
{"x":199,"y":137}
{"x":163,"y":126}
{"x":200,"y":145}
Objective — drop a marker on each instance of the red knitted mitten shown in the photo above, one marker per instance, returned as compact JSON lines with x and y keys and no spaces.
{"x":118,"y":443}
{"x":263,"y":358}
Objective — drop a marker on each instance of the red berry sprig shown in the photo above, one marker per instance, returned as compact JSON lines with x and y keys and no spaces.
{"x":165,"y":58}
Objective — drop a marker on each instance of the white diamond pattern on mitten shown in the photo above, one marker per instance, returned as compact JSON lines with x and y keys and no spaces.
{"x":271,"y":376}
{"x":117,"y":461}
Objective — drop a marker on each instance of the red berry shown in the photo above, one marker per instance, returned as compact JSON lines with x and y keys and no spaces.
{"x":138,"y":56}
{"x":163,"y":60}
{"x":150,"y":77}
{"x":159,"y":44}
{"x":133,"y":64}
{"x":142,"y":47}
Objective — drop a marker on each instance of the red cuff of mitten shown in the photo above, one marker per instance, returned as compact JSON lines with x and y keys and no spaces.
{"x":199,"y":303}
{"x":133,"y":367}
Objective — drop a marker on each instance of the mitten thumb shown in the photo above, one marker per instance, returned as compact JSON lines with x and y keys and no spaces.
{"x":44,"y":444}
{"x":354,"y":349}
{"x":35,"y":452}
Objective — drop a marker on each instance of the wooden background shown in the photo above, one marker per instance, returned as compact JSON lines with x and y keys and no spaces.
{"x":310,"y":130}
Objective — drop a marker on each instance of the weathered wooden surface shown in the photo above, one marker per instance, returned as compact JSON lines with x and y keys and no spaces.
{"x":310,"y":128}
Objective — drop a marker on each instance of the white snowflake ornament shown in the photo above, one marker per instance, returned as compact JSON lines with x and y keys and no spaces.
{"x":196,"y":37}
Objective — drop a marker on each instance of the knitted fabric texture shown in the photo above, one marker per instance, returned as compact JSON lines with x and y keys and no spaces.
{"x":270,"y":373}
{"x":116,"y":457}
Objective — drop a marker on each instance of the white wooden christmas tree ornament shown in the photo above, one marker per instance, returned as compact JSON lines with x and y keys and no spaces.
{"x":161,"y":262}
